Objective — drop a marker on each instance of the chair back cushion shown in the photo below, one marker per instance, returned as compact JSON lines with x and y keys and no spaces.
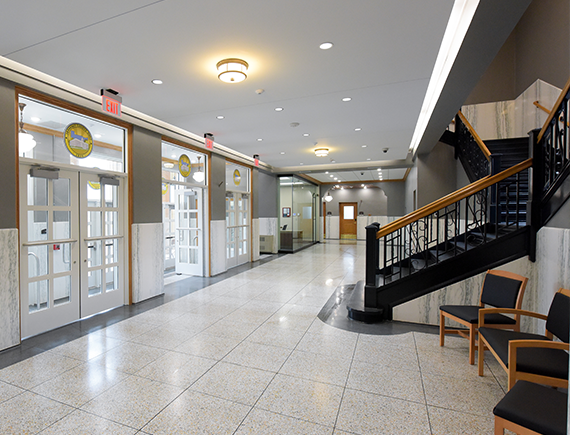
{"x":558,"y":321}
{"x":500,"y":292}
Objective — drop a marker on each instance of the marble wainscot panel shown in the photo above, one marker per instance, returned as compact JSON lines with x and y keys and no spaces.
{"x":364,"y":221}
{"x":254,"y":239}
{"x":492,"y":120}
{"x":148,"y":261}
{"x":332,"y":227}
{"x":268,"y":227}
{"x":217,"y":247}
{"x":9,"y":289}
{"x":550,"y":272}
{"x":527,"y":115}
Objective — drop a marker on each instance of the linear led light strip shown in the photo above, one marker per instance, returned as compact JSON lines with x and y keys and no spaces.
{"x":459,"y":21}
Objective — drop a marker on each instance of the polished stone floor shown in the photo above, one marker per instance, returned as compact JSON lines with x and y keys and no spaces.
{"x":248,"y":354}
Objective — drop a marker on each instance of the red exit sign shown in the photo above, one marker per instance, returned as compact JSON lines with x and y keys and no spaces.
{"x":209,"y":140}
{"x":111,"y":106}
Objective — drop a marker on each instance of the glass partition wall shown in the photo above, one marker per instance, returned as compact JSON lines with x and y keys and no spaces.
{"x":298,"y":209}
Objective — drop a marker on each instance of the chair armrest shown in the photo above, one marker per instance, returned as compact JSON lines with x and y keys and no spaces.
{"x":514,"y":345}
{"x":484,"y":311}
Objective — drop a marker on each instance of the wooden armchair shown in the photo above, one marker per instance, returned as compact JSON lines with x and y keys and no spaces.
{"x":499,"y":289}
{"x":531,"y":357}
{"x":532,"y":409}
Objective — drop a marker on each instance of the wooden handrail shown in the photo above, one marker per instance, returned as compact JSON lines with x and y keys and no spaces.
{"x":544,"y":109}
{"x":453,"y":197}
{"x":554,"y":110}
{"x":478,"y":140}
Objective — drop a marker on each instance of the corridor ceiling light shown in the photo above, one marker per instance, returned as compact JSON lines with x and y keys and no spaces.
{"x":363,"y":146}
{"x":321,"y":152}
{"x":168,"y":165}
{"x":26,"y":141}
{"x":232,"y":70}
{"x":357,"y":129}
{"x":326,"y":45}
{"x":282,"y":152}
{"x":279,"y":109}
{"x":199,"y":175}
{"x":259,"y":140}
{"x":306,"y":134}
{"x":35,"y":119}
{"x":156,"y":82}
{"x":220,"y":117}
{"x":346,"y":99}
{"x":331,"y":175}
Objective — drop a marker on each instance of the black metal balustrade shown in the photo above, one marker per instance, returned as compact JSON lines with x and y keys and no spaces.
{"x":478,"y":216}
{"x":471,"y":151}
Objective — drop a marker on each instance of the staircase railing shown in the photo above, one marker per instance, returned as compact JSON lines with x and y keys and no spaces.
{"x":471,"y":150}
{"x":551,"y":153}
{"x":446,"y":227}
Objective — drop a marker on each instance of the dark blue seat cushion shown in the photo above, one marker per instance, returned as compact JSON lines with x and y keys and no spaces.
{"x":545,"y":362}
{"x":558,"y":321}
{"x":500,"y":291}
{"x":470,"y":313}
{"x":536,"y":407}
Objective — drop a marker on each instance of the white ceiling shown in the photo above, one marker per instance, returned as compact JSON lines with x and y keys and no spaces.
{"x":383,"y":56}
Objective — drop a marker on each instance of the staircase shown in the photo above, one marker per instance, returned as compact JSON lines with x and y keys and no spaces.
{"x":488,"y":223}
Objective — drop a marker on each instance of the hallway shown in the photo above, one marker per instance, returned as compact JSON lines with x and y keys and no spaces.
{"x":248,"y":355}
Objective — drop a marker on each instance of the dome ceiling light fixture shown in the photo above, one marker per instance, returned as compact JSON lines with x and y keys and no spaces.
{"x":26,"y":141}
{"x":199,"y":175}
{"x":321,"y":152}
{"x":232,"y":70}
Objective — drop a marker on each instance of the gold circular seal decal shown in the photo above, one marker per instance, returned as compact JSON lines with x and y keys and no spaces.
{"x":94,"y":185}
{"x":164,"y":188}
{"x":78,"y":140}
{"x":184,"y":165}
{"x":237,"y":177}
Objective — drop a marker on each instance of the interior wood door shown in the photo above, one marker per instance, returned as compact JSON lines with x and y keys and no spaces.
{"x":348,"y":212}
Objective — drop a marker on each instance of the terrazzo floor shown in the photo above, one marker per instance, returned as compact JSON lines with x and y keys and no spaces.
{"x":248,"y":355}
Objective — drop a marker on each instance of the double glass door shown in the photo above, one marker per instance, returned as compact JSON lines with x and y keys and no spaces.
{"x":237,"y":229}
{"x":71,"y":263}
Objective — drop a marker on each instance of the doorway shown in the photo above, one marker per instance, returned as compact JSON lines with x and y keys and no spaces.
{"x":348,"y":212}
{"x":72,"y":246}
{"x":237,"y":228}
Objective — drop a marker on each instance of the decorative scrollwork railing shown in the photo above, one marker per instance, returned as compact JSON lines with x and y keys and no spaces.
{"x":471,"y":150}
{"x":472,"y":216}
{"x":552,"y":147}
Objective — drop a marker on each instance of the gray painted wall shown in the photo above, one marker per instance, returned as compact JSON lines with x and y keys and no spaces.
{"x":386,"y":199}
{"x":218,"y":188}
{"x":267,"y":195}
{"x":146,"y":176}
{"x":437,"y":174}
{"x":538,"y":48}
{"x":562,"y":217}
{"x":410,"y":185}
{"x":8,"y":165}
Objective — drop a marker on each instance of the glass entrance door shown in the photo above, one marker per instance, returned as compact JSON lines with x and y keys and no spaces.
{"x":237,"y":229}
{"x":189,"y":250}
{"x":49,"y":262}
{"x":101,"y":244}
{"x":67,"y":270}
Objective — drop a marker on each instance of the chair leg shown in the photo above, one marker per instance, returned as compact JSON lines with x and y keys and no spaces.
{"x":499,"y":427}
{"x":472,"y":334}
{"x":480,"y":356}
{"x":441,"y":329}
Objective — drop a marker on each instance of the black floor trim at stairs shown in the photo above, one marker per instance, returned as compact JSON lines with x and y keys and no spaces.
{"x":335,"y":313}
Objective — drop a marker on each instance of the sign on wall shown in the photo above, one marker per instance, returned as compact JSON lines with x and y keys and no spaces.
{"x":78,"y":140}
{"x":184,"y":165}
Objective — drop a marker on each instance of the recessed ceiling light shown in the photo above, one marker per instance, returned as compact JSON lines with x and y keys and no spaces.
{"x":35,"y":119}
{"x":362,"y":185}
{"x":306,"y":134}
{"x":301,"y":164}
{"x":368,"y":158}
{"x":346,"y":99}
{"x":379,"y":169}
{"x":279,"y":109}
{"x":282,"y":152}
{"x":97,"y":136}
{"x":363,"y":146}
{"x":326,"y":172}
{"x":173,"y":156}
{"x":333,"y":161}
{"x":259,"y":140}
{"x":326,"y":45}
{"x":357,"y":129}
{"x":331,"y":175}
{"x":220,"y":117}
{"x":157,"y":82}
